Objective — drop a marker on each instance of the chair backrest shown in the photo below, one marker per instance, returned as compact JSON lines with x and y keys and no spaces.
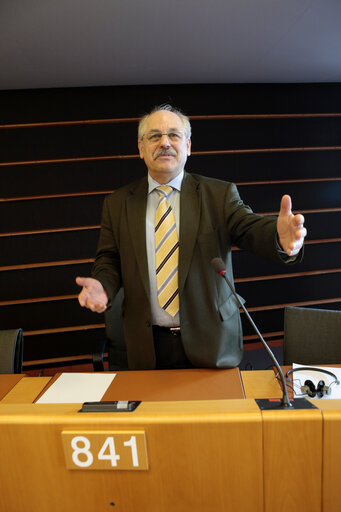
{"x":312,"y":336}
{"x":117,"y":350}
{"x":11,"y":351}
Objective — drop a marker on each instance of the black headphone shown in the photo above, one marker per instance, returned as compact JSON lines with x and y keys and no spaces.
{"x":309,"y":387}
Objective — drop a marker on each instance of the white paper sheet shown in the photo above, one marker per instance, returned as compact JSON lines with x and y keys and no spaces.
{"x":299,"y":377}
{"x":77,"y":388}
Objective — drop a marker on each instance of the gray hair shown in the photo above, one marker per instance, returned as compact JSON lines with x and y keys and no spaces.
{"x":167,"y":108}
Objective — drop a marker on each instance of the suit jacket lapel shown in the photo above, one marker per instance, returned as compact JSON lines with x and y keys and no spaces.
{"x":136,"y":213}
{"x":189,"y":224}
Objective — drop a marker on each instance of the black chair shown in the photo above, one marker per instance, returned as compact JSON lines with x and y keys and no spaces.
{"x":312,"y":336}
{"x":11,"y":351}
{"x":114,"y":342}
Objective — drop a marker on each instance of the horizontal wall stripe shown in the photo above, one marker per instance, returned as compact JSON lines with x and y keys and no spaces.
{"x":277,"y":182}
{"x":56,"y":196}
{"x":65,"y":329}
{"x":238,"y":184}
{"x":203,"y":117}
{"x":36,"y":300}
{"x":251,"y":309}
{"x":90,"y":176}
{"x":58,"y":359}
{"x":68,"y":160}
{"x":273,"y":277}
{"x":51,"y":230}
{"x":304,"y":303}
{"x":271,"y":343}
{"x":50,"y":124}
{"x":46,"y":264}
{"x":194,"y":153}
{"x":305,"y":211}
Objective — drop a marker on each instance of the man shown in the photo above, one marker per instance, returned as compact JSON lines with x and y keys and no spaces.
{"x":177,"y":311}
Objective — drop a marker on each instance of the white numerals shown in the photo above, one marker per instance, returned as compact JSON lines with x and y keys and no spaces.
{"x":132,"y":444}
{"x":105,"y":450}
{"x":109,"y":444}
{"x":81,"y":450}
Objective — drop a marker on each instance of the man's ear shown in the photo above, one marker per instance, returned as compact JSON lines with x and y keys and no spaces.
{"x":140,"y":146}
{"x":189,"y":144}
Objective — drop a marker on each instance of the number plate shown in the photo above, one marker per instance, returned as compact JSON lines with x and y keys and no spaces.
{"x":105,"y":450}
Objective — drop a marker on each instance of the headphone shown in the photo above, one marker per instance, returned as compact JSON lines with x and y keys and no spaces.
{"x":309,"y":387}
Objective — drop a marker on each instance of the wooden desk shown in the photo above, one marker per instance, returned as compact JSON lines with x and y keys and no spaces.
{"x":205,"y":455}
{"x":331,"y":413}
{"x":201,"y":456}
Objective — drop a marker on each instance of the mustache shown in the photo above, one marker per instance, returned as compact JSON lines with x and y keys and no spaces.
{"x":167,"y":152}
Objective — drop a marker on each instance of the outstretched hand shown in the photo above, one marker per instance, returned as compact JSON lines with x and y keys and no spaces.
{"x":290,"y":229}
{"x":93,"y":296}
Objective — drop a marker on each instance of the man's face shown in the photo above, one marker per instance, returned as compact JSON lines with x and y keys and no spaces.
{"x":164,"y":155}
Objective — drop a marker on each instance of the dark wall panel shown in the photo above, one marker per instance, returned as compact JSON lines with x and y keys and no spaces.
{"x":32,"y":283}
{"x":45,"y":247}
{"x":54,"y":177}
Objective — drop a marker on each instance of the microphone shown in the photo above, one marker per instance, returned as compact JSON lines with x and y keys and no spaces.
{"x":219,"y":266}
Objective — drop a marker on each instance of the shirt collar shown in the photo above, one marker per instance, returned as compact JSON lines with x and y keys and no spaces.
{"x":175,"y":182}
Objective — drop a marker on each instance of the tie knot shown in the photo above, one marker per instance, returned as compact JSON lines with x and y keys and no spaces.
{"x":166,"y":190}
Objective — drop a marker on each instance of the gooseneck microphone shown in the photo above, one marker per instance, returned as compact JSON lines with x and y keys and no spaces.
{"x":219,"y":267}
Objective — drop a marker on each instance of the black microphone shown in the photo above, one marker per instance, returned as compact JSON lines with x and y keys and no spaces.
{"x":219,"y":267}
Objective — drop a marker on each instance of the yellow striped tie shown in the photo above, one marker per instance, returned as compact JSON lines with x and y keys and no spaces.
{"x":166,"y":253}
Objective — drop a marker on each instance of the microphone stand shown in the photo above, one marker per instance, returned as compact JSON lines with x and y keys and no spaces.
{"x":219,"y":267}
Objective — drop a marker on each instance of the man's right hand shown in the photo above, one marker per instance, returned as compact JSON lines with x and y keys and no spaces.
{"x":93,"y":296}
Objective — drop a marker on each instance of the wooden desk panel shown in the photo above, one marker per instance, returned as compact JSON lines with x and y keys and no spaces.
{"x":190,"y":384}
{"x":260,"y":384}
{"x":26,"y":390}
{"x":292,"y":451}
{"x":331,"y":412}
{"x":7,"y":382}
{"x":201,"y":457}
{"x":292,"y":461}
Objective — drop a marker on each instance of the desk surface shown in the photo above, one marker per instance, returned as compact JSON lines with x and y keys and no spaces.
{"x":188,"y":441}
{"x":158,"y":385}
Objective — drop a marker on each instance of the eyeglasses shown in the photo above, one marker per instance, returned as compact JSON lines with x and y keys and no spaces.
{"x":155,"y":137}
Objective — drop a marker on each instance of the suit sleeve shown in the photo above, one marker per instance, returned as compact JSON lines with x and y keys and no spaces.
{"x":107,"y":266}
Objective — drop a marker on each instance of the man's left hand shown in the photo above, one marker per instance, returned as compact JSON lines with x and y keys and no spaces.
{"x":290,"y":229}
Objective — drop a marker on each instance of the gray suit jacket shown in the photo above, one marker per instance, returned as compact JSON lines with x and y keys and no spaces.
{"x":212,"y":219}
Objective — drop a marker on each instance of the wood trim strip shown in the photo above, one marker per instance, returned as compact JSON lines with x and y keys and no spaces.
{"x":265,"y":150}
{"x":46,"y":264}
{"x":299,"y":304}
{"x":70,"y":160}
{"x":261,"y":308}
{"x":237,"y":280}
{"x":274,"y":343}
{"x":52,"y":230}
{"x":97,"y":226}
{"x":58,"y":360}
{"x":65,"y":329}
{"x":36,"y":300}
{"x":110,"y":191}
{"x":320,"y":210}
{"x":57,"y":196}
{"x":79,"y":122}
{"x":278,"y":182}
{"x":284,"y":276}
{"x":208,"y":117}
{"x":25,"y":266}
{"x":194,"y":153}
